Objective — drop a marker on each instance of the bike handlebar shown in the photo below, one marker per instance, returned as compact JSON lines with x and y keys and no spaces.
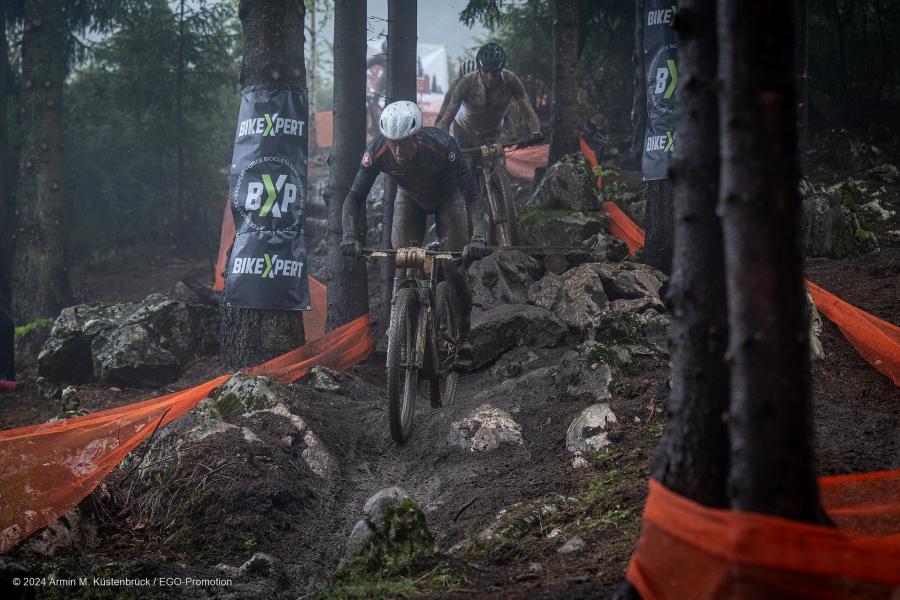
{"x":382,"y":252}
{"x":525,"y":143}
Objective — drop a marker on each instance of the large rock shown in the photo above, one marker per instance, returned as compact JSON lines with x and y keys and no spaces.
{"x":570,"y":379}
{"x":146,"y":343}
{"x":485,"y":429}
{"x":589,"y":430}
{"x":632,"y":281}
{"x":577,"y":296}
{"x":499,"y":329}
{"x":568,"y":184}
{"x":66,"y":355}
{"x":831,"y":226}
{"x":561,"y":227}
{"x":612,"y":249}
{"x":502,"y":278}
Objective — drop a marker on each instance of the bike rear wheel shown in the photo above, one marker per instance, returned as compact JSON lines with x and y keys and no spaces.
{"x":402,"y":374}
{"x":446,"y":339}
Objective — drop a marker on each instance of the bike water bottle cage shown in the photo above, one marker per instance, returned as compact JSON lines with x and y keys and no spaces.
{"x":491,"y":57}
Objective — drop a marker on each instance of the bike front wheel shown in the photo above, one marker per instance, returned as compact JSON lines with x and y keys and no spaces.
{"x":402,"y":373}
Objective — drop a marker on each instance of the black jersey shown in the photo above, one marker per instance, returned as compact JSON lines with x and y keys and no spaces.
{"x":436,"y":169}
{"x":430,"y":178}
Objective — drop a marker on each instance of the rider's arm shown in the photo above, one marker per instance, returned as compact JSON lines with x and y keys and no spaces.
{"x":469,"y":188}
{"x":446,"y":103}
{"x":518,"y":92}
{"x":455,"y":93}
{"x":362,"y":184}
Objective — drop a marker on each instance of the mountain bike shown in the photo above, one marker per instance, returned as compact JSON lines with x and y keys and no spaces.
{"x":490,"y":170}
{"x":423,"y":334}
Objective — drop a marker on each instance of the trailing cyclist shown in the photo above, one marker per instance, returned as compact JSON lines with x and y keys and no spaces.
{"x":479,"y":101}
{"x":432,"y":178}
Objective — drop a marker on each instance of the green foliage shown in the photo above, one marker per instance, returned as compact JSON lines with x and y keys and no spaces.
{"x":124,"y":126}
{"x":24,"y":330}
{"x":352,"y":585}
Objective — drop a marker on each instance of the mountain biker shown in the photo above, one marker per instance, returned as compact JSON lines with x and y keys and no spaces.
{"x":432,"y":178}
{"x":479,"y":101}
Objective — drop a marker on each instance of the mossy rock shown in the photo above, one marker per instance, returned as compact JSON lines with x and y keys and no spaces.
{"x":242,"y":395}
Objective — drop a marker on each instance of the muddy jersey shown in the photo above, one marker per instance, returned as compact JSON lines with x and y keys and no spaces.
{"x":430,"y":178}
{"x":481,"y":110}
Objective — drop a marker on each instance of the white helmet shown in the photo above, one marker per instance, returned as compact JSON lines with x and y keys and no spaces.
{"x":400,"y":119}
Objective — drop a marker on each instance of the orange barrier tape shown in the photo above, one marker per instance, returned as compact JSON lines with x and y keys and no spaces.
{"x":522,"y":162}
{"x":876,"y":341}
{"x":688,"y":550}
{"x":47,"y":469}
{"x":622,"y":227}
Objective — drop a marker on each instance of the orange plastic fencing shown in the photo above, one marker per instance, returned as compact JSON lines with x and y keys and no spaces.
{"x":876,"y":341}
{"x":47,"y":469}
{"x":522,"y":162}
{"x":688,"y":550}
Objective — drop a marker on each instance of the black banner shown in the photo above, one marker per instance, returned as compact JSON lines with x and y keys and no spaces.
{"x":267,"y":267}
{"x":660,"y":65}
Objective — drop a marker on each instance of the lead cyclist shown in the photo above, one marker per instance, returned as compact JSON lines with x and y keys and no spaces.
{"x":432,"y":178}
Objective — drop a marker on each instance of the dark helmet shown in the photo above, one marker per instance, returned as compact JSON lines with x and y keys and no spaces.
{"x":491,"y":57}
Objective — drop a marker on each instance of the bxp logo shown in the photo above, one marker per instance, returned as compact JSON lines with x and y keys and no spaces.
{"x":662,"y":79}
{"x":254,"y":201}
{"x":666,"y":79}
{"x":660,"y":142}
{"x":271,"y":125}
{"x":267,"y":267}
{"x":267,"y":192}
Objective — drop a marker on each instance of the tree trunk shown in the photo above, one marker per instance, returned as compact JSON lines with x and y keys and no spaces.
{"x":693,"y":455}
{"x":182,"y":230}
{"x":7,"y":225}
{"x":40,"y":278}
{"x":311,"y":72}
{"x":659,"y":225}
{"x":401,"y":85}
{"x":772,"y":460}
{"x":801,"y":18}
{"x":564,"y":107}
{"x":273,"y":53}
{"x":348,"y":293}
{"x":639,"y":101}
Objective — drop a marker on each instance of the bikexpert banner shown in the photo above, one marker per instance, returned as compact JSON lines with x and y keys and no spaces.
{"x":267,"y":267}
{"x":660,"y":64}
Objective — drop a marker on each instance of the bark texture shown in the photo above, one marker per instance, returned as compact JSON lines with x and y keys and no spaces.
{"x":401,"y":85}
{"x":772,"y":460}
{"x":7,"y":226}
{"x":348,"y":295}
{"x":693,"y":455}
{"x":564,"y":107}
{"x":659,"y":222}
{"x":273,"y":53}
{"x":39,"y":275}
{"x":639,"y":102}
{"x":801,"y":18}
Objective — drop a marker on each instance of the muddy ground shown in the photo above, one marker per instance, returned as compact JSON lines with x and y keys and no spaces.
{"x":275,"y":505}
